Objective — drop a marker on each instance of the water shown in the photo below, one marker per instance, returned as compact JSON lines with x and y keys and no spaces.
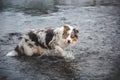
{"x":37,"y":7}
{"x":96,"y":54}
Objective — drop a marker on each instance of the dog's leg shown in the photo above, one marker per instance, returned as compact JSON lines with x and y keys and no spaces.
{"x":58,"y":48}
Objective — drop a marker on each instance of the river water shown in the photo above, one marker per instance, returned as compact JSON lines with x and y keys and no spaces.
{"x":97,"y":52}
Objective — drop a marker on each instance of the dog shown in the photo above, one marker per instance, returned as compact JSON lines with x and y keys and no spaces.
{"x":36,"y":41}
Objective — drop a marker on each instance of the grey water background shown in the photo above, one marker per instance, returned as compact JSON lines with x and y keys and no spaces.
{"x":97,"y":52}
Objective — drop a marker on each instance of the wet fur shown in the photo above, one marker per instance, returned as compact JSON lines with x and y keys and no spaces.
{"x":36,"y":41}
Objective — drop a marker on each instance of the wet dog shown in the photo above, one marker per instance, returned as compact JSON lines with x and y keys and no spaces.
{"x":36,"y":41}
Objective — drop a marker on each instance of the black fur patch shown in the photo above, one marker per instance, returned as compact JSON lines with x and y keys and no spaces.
{"x":34,"y":38}
{"x":49,"y":36}
{"x":19,"y":50}
{"x":26,"y":40}
{"x":75,"y":33}
{"x":29,"y":44}
{"x":22,"y":49}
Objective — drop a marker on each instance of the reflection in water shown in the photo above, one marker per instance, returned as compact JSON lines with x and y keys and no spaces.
{"x":38,"y":6}
{"x":32,"y":6}
{"x":1,"y":4}
{"x":48,"y":6}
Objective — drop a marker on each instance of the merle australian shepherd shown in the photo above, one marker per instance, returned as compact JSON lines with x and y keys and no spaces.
{"x":36,"y":41}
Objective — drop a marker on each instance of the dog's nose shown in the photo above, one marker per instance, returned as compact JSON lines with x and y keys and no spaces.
{"x":68,"y":41}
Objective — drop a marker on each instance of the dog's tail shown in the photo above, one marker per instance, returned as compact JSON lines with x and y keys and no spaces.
{"x":12,"y":53}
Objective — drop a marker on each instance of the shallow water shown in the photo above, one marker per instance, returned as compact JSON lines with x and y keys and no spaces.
{"x":97,"y":53}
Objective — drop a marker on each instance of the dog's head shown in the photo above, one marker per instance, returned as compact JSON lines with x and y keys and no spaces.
{"x":66,"y":35}
{"x":69,"y":34}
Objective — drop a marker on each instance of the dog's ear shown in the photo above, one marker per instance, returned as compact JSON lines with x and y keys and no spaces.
{"x":76,"y":31}
{"x":66,"y":28}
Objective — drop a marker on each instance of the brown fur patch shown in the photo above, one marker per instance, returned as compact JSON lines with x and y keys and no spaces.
{"x":39,"y":50}
{"x":74,"y":39}
{"x":65,"y":34}
{"x":66,"y":28}
{"x":74,"y":35}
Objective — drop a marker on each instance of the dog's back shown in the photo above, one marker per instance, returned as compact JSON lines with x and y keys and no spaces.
{"x":33,"y":43}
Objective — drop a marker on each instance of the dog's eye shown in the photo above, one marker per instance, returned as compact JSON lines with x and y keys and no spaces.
{"x":65,"y":35}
